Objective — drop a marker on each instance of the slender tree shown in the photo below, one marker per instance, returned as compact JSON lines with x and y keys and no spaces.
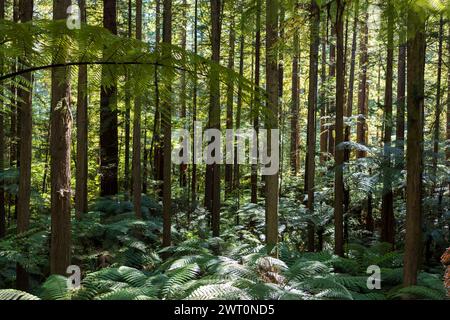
{"x":2,"y":142}
{"x":60,"y":143}
{"x":363,"y":61}
{"x":295,"y":135}
{"x":401,"y":89}
{"x":254,"y":174}
{"x":414,"y":162}
{"x":137,"y":184}
{"x":387,"y":205}
{"x":272,"y":118}
{"x":81,"y":201}
{"x":25,"y":110}
{"x":183,"y":166}
{"x":127,"y":110}
{"x":230,"y":97}
{"x":166,"y":118}
{"x":194,"y":114}
{"x":109,"y":161}
{"x":312,"y":106}
{"x":213,"y":170}
{"x":339,"y":125}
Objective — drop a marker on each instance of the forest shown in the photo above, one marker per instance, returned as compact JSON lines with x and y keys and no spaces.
{"x":224,"y":150}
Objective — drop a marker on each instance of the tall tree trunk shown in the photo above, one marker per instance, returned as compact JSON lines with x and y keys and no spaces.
{"x":400,"y":117}
{"x":81,"y":201}
{"x":213,"y":170}
{"x":363,"y":60}
{"x":272,"y":118}
{"x":166,"y":119}
{"x":230,"y":97}
{"x":295,"y":136}
{"x":183,"y":166}
{"x":109,"y":161}
{"x":2,"y":141}
{"x":447,"y":151}
{"x":414,"y":162}
{"x":387,"y":205}
{"x":25,"y":145}
{"x":136,"y":168}
{"x":312,"y":106}
{"x":127,"y":112}
{"x":438,"y":104}
{"x":332,"y":103}
{"x":323,"y":95}
{"x":236,"y":175}
{"x":254,"y":174}
{"x":194,"y":116}
{"x":339,"y":152}
{"x":60,"y":138}
{"x":349,"y":106}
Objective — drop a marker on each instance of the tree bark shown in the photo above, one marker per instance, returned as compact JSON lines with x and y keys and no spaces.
{"x":2,"y":141}
{"x":339,"y":124}
{"x":400,"y":117}
{"x":323,"y":96}
{"x":109,"y":161}
{"x":213,"y":170}
{"x":136,"y":161}
{"x":60,"y":138}
{"x":166,"y":118}
{"x":272,"y":118}
{"x":414,"y":162}
{"x":254,"y":174}
{"x":126,"y":183}
{"x":295,"y":108}
{"x":387,"y":205}
{"x":363,"y":60}
{"x":183,"y":166}
{"x":81,"y":201}
{"x":25,"y":109}
{"x":230,"y":97}
{"x":312,"y":106}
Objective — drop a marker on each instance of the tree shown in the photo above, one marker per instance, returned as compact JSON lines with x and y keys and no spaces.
{"x":387,"y":205}
{"x":312,"y":105}
{"x":295,"y":137}
{"x":166,"y":119}
{"x":127,"y":110}
{"x":213,"y":170}
{"x":254,"y":173}
{"x":272,"y":118}
{"x":109,"y":161}
{"x":230,"y":98}
{"x":137,"y":185}
{"x":414,"y":162}
{"x":2,"y":142}
{"x":60,"y":143}
{"x":339,"y":125}
{"x":363,"y":61}
{"x":81,"y":195}
{"x":25,"y":110}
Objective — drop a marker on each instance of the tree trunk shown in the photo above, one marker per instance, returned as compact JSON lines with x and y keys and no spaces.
{"x":236,"y":176}
{"x":254,"y":174}
{"x":295,"y":136}
{"x":387,"y":205}
{"x":272,"y":118}
{"x":25,"y":109}
{"x":136,"y":165}
{"x":414,"y":162}
{"x":447,"y":151}
{"x":194,"y":117}
{"x":400,"y":118}
{"x":332,"y":103}
{"x":363,"y":60}
{"x":126,"y":183}
{"x":109,"y":161}
{"x":81,"y":201}
{"x":213,"y":170}
{"x":339,"y":124}
{"x":438,"y":105}
{"x":166,"y":118}
{"x":60,"y":138}
{"x":323,"y":96}
{"x":230,"y":97}
{"x":183,"y":166}
{"x":312,"y":105}
{"x":2,"y":141}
